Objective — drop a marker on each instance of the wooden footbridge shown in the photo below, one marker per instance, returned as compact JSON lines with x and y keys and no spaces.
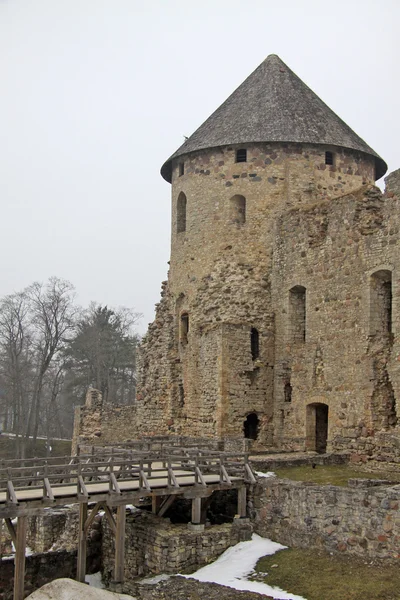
{"x":109,"y":478}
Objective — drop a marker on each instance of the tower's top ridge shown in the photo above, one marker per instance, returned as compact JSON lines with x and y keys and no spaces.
{"x":273,"y":105}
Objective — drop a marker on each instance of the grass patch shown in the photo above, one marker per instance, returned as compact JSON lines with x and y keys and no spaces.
{"x":8,"y":448}
{"x":331,"y":474}
{"x":320,"y":576}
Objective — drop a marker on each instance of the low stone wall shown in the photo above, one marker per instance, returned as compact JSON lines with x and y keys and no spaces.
{"x":57,"y":529}
{"x":378,"y":451}
{"x":153,"y":545}
{"x":363,"y":520}
{"x":271,"y":462}
{"x":39,"y":569}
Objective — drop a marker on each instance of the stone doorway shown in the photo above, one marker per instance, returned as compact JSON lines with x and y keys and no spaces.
{"x":317,"y":427}
{"x":250,"y":426}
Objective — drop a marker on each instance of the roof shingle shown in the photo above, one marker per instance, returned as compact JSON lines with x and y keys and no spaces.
{"x":273,"y":105}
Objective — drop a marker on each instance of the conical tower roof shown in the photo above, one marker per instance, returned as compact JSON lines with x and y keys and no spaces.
{"x":273,"y":105}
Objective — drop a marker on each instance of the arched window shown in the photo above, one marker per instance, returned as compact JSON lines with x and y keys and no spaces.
{"x":297,"y":313}
{"x":254,"y":343}
{"x":250,"y":426}
{"x":184,"y":328}
{"x":181,"y":213}
{"x":237,"y":209}
{"x":381,"y":303}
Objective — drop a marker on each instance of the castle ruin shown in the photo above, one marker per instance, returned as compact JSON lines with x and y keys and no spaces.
{"x":280,"y":319}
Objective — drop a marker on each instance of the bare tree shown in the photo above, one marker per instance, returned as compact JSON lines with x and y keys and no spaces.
{"x":49,"y":347}
{"x":16,"y":360}
{"x":53,"y":318}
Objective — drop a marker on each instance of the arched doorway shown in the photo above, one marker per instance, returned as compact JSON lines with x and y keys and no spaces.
{"x":317,"y":427}
{"x":250,"y":426}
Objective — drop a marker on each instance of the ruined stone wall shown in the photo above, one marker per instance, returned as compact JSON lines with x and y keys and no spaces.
{"x":363,"y":521}
{"x":153,"y":545}
{"x":347,"y":360}
{"x":206,"y":381}
{"x":57,"y":529}
{"x":97,"y":423}
{"x":312,"y":269}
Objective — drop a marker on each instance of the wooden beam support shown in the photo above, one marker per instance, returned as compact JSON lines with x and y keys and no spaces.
{"x":82,"y":544}
{"x":242,"y":502}
{"x":196,"y":511}
{"x":19,"y":564}
{"x":120,"y":545}
{"x":156,"y":502}
{"x":110,"y":519}
{"x":92,"y":516}
{"x":166,"y":505}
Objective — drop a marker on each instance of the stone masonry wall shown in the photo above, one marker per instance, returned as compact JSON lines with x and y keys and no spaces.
{"x":344,"y":361}
{"x":220,"y":274}
{"x":98,"y":423}
{"x":153,"y":545}
{"x":363,"y":521}
{"x":314,"y":234}
{"x":57,"y":529}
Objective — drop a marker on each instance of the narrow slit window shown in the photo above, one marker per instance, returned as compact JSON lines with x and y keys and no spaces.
{"x":288,"y":392}
{"x":181,"y":213}
{"x":329,"y":158}
{"x":255,"y":343}
{"x":297,"y":314}
{"x":184,"y":328}
{"x":241,"y":155}
{"x":181,"y":396}
{"x":181,"y":169}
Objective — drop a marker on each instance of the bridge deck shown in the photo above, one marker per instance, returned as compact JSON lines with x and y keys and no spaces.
{"x":106,"y":475}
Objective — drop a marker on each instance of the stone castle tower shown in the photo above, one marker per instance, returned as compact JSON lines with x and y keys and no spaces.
{"x":279,"y":320}
{"x":245,"y":343}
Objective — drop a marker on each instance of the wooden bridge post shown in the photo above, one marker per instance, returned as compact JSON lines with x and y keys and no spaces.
{"x":120,"y":545}
{"x":156,"y":502}
{"x":242,"y":502}
{"x":196,"y":511}
{"x":81,"y":566}
{"x":19,"y":565}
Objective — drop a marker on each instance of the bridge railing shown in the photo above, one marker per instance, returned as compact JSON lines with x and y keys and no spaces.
{"x":174,"y":467}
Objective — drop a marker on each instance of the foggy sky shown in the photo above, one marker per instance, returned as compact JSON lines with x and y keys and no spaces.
{"x":96,"y":94}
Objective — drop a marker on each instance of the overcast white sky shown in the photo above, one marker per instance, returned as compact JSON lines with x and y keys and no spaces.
{"x":96,"y":94}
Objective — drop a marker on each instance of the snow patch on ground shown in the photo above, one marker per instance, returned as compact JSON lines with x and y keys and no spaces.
{"x":95,"y":581}
{"x":267,"y":474}
{"x":133,"y":509}
{"x":237,"y":563}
